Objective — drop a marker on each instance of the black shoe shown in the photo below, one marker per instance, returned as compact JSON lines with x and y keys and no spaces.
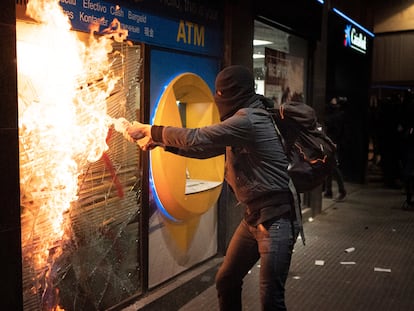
{"x":327,"y":195}
{"x":407,"y":205}
{"x":340,"y":197}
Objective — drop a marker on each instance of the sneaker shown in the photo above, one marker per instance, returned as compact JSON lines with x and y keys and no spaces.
{"x":407,"y":205}
{"x":340,"y":197}
{"x":327,"y":195}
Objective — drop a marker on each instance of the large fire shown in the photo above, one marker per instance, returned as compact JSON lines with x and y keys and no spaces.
{"x":63,"y":124}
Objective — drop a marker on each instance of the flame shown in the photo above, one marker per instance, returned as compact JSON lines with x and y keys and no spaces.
{"x":63,"y":122}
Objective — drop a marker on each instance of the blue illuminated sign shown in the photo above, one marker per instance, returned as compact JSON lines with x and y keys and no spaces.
{"x":353,"y":22}
{"x":355,"y":35}
{"x":175,"y":33}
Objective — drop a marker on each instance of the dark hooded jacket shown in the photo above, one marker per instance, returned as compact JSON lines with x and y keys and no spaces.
{"x":334,"y":122}
{"x":256,"y":164}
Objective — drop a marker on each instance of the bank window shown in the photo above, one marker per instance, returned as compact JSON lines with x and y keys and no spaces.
{"x":279,"y":62}
{"x":80,"y":200}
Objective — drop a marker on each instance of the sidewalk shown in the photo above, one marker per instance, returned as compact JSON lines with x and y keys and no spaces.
{"x":337,"y":268}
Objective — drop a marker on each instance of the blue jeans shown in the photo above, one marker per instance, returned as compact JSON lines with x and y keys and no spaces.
{"x":272,"y":242}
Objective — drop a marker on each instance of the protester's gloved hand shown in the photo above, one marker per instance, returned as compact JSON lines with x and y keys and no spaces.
{"x":148,"y":144}
{"x":138,"y":130}
{"x":127,"y":137}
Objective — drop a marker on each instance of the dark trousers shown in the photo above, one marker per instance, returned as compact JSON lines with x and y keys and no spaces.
{"x":409,"y":182}
{"x":272,"y":243}
{"x":337,"y":174}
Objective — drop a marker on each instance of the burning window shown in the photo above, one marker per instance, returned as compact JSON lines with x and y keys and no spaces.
{"x":79,"y":178}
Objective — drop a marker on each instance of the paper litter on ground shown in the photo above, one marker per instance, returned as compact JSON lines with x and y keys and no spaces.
{"x":382,"y":269}
{"x":319,"y":262}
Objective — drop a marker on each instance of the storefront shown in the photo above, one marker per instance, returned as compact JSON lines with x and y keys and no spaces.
{"x":284,"y":46}
{"x":280,"y":62}
{"x":283,"y":59}
{"x":348,"y":78}
{"x":102,"y":222}
{"x":133,"y":220}
{"x":318,"y":52}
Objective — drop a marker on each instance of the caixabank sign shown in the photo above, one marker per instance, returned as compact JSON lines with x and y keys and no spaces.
{"x":354,"y":35}
{"x":355,"y":39}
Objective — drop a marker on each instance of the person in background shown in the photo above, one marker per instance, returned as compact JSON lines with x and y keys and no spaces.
{"x":256,"y":170}
{"x":334,"y":123}
{"x":407,"y":154}
{"x":374,"y":126}
{"x":391,"y":136}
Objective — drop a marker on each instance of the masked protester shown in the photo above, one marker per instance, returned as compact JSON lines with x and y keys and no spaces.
{"x":256,"y":170}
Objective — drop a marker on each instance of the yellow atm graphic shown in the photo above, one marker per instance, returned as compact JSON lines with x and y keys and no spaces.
{"x":186,"y":188}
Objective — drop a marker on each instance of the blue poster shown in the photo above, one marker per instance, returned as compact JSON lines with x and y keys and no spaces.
{"x":181,"y":34}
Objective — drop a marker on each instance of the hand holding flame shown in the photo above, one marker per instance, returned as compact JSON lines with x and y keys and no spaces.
{"x":121,"y":125}
{"x":135,"y":132}
{"x":138,"y":130}
{"x":141,"y":133}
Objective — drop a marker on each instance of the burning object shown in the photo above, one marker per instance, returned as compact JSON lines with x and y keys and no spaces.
{"x":78,"y":178}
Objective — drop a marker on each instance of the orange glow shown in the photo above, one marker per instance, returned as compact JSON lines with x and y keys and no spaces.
{"x":63,"y":84}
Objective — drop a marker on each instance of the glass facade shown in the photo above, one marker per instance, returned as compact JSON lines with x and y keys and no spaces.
{"x":79,"y":177}
{"x":279,"y":61}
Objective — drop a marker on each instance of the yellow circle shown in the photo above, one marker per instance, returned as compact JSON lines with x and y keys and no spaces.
{"x":186,"y":187}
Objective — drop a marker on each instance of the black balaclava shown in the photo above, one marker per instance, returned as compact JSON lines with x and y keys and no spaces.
{"x":234,"y":90}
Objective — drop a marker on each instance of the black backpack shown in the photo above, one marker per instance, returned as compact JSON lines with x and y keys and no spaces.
{"x":310,"y":151}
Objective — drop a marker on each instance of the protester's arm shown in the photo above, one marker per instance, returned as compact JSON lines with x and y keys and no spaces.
{"x":211,"y":140}
{"x":139,"y":131}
